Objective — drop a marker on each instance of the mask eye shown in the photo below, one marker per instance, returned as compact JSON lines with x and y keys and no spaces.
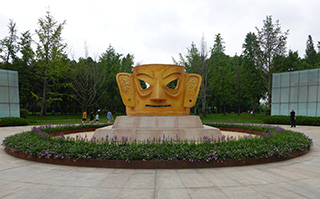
{"x":143,"y":84}
{"x":173,"y":84}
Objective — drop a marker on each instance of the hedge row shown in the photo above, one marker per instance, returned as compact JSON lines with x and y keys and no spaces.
{"x":276,"y":142}
{"x":13,"y":121}
{"x":301,"y":120}
{"x":24,"y":113}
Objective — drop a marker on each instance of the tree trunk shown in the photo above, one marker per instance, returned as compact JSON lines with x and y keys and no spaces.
{"x":44,"y":99}
{"x":204,"y":104}
{"x":269,"y":99}
{"x":204,"y":96}
{"x":239,"y":101}
{"x":253,"y":107}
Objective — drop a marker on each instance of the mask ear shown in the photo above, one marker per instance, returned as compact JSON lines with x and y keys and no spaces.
{"x":192,"y":86}
{"x":125,"y":84}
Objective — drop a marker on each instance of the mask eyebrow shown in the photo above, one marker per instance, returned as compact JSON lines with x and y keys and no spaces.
{"x":170,"y":71}
{"x":144,"y":71}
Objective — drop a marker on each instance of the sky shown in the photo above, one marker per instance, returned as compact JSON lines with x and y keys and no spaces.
{"x":155,"y":31}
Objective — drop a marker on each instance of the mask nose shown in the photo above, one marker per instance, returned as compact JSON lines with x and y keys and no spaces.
{"x":157,"y":94}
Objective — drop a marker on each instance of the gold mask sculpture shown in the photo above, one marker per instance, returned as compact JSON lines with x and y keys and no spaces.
{"x":158,"y":90}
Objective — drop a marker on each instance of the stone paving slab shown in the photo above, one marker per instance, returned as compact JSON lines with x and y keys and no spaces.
{"x":295,"y":178}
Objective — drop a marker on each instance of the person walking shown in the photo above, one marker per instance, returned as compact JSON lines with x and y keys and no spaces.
{"x":109,"y":116}
{"x":91,"y":117}
{"x":293,"y":118}
{"x":97,"y":118}
{"x":84,"y":117}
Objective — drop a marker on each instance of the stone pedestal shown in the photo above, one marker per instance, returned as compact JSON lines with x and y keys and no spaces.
{"x":150,"y":127}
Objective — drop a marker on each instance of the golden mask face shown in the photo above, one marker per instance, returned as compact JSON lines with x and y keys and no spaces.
{"x":158,"y":89}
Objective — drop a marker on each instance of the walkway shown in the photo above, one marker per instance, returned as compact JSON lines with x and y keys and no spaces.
{"x":296,"y":178}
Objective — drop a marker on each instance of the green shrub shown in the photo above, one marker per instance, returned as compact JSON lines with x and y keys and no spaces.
{"x":278,"y":143}
{"x":13,"y":121}
{"x":248,"y":126}
{"x":64,"y":127}
{"x":301,"y":120}
{"x":24,"y":113}
{"x":267,"y":111}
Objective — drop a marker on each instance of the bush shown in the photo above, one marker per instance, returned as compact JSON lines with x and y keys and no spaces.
{"x":24,"y":113}
{"x":13,"y":121}
{"x":248,"y":126}
{"x":267,"y":111}
{"x":64,"y":127}
{"x":278,"y":143}
{"x":301,"y":120}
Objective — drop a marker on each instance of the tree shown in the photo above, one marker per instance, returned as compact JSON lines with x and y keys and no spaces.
{"x":26,"y":48}
{"x":50,"y":53}
{"x":272,"y":43}
{"x":293,"y":61}
{"x":197,"y":62}
{"x":191,"y":61}
{"x":252,"y":80}
{"x":9,"y":46}
{"x":218,"y":46}
{"x":88,"y":80}
{"x":113,"y":63}
{"x":239,"y":80}
{"x":311,"y":54}
{"x":221,"y":77}
{"x":127,"y":63}
{"x":203,"y":71}
{"x":27,"y":82}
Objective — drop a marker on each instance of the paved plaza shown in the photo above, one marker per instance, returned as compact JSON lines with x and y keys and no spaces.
{"x":296,"y":178}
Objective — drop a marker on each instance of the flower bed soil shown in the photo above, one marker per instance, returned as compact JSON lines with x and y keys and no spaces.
{"x":139,"y":164}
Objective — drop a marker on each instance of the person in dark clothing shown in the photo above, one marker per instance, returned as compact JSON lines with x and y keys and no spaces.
{"x":91,"y":117}
{"x":293,"y":118}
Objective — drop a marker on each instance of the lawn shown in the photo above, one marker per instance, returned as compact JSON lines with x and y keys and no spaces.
{"x":64,"y":119}
{"x":76,"y":118}
{"x":233,"y":117}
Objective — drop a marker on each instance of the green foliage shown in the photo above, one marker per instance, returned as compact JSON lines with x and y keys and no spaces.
{"x":63,"y":118}
{"x":25,"y":66}
{"x":222,"y":73}
{"x":13,"y":121}
{"x":88,"y":82}
{"x":64,"y":127}
{"x":272,"y":43}
{"x":8,"y":45}
{"x":276,"y":142}
{"x":113,"y":63}
{"x":253,"y":86}
{"x":257,"y":127}
{"x":230,"y":83}
{"x":233,"y":118}
{"x":267,"y":112}
{"x":51,"y":54}
{"x":196,"y":62}
{"x":24,"y":113}
{"x":311,"y":53}
{"x":300,"y":120}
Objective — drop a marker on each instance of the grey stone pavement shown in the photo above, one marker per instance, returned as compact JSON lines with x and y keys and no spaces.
{"x":296,"y":178}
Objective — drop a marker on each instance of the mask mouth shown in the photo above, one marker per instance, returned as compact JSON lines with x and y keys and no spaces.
{"x":157,"y":106}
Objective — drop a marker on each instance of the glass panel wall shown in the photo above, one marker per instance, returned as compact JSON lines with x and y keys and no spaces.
{"x":298,"y":90}
{"x":9,"y":94}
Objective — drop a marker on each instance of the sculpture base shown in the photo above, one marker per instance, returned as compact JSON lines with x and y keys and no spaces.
{"x":155,"y":127}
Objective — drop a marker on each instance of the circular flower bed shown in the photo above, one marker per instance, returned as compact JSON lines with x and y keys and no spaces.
{"x":272,"y":144}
